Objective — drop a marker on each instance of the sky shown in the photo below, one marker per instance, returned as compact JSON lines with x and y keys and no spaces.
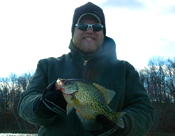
{"x":37,"y":29}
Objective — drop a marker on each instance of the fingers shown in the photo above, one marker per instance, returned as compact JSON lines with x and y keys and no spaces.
{"x":102,"y":119}
{"x":107,"y":124}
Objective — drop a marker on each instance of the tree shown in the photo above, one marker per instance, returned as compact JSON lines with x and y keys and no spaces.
{"x":10,"y":90}
{"x":159,"y":80}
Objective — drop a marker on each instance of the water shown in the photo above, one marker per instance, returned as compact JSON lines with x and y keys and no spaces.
{"x":16,"y":134}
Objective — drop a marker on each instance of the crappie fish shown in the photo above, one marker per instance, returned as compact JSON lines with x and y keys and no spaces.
{"x":89,"y":100}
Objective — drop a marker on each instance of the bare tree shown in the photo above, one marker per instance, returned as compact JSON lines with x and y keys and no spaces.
{"x":171,"y":78}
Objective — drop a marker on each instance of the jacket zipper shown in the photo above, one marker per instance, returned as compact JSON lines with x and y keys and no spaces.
{"x":84,"y":65}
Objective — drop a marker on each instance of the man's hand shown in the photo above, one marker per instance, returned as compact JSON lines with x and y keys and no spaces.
{"x":51,"y":102}
{"x":109,"y":127}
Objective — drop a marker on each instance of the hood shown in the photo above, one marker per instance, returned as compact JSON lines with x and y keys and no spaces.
{"x":107,"y":50}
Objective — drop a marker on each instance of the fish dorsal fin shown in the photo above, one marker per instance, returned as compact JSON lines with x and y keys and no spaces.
{"x":69,"y":108}
{"x":108,"y":94}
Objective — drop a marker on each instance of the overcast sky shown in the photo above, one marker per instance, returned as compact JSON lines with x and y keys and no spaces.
{"x":37,"y":29}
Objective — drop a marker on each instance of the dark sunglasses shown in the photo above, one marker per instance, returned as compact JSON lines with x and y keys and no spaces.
{"x":85,"y":27}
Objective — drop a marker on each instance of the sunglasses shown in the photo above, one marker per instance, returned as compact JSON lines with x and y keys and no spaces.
{"x":85,"y":27}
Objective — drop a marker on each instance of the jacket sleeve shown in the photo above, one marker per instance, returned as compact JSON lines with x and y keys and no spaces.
{"x":34,"y":90}
{"x":138,"y":107}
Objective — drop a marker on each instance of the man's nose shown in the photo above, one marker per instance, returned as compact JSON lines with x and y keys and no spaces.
{"x":89,"y":29}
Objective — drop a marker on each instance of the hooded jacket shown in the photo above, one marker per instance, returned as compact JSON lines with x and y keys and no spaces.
{"x":102,"y":68}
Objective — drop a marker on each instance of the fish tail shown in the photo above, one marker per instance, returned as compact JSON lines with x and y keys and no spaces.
{"x":119,"y":121}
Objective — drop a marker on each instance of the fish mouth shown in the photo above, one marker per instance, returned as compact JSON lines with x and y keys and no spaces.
{"x":60,"y":85}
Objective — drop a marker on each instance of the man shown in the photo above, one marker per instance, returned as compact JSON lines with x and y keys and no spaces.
{"x":92,"y":58}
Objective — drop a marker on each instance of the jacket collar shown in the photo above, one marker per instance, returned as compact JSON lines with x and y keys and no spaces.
{"x":108,"y":50}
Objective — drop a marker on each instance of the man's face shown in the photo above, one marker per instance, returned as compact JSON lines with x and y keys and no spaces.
{"x":89,"y":41}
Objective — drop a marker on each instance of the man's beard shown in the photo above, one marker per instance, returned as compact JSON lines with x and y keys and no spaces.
{"x":88,"y":49}
{"x":85,"y":47}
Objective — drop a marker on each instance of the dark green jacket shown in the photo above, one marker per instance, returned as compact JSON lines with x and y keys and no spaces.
{"x":102,"y":68}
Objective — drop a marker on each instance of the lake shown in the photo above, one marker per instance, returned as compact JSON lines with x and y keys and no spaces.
{"x":16,"y":134}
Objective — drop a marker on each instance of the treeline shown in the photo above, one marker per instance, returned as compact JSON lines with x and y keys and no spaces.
{"x":158,"y":79}
{"x":10,"y":90}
